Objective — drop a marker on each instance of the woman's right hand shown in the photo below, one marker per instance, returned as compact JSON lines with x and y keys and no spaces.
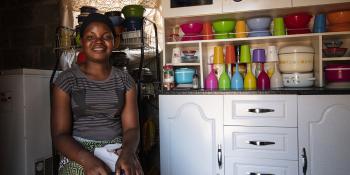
{"x":94,"y":166}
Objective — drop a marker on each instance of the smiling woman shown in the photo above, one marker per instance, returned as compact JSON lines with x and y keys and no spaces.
{"x":94,"y":104}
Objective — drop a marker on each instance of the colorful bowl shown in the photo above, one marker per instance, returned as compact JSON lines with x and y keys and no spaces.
{"x":133,"y":11}
{"x":190,"y":28}
{"x":259,"y":23}
{"x":224,"y":26}
{"x":334,"y":52}
{"x":338,"y":17}
{"x":337,"y":73}
{"x":297,"y":20}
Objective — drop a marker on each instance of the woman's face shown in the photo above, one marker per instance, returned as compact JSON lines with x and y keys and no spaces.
{"x":97,"y":42}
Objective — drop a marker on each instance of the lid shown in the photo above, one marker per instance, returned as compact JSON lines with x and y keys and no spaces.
{"x":296,"y":49}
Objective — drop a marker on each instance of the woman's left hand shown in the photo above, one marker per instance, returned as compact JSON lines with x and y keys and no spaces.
{"x":129,"y":164}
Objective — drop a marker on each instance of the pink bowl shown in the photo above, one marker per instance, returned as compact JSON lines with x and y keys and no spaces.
{"x":337,"y":73}
{"x":297,"y":20}
{"x":192,"y":27}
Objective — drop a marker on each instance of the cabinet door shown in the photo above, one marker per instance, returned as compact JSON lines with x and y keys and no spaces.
{"x":324,"y":134}
{"x":251,"y":5}
{"x":298,"y":3}
{"x":191,"y":134}
{"x":168,"y":11}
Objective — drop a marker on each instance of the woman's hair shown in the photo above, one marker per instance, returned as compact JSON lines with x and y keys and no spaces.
{"x":96,"y":17}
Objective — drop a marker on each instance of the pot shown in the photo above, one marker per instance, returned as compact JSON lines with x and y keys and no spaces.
{"x":298,"y":80}
{"x":294,"y":59}
{"x":184,"y":75}
{"x":337,"y":73}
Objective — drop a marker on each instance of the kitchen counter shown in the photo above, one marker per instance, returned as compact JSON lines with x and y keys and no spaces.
{"x":297,"y":91}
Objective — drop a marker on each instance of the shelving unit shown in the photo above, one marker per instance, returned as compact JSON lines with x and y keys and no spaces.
{"x":313,"y":39}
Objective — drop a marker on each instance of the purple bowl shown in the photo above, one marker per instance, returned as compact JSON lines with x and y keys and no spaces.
{"x":259,"y":56}
{"x":192,"y":27}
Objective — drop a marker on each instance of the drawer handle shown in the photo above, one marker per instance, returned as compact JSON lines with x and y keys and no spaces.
{"x":261,"y":143}
{"x":260,"y":110}
{"x":219,"y":156}
{"x":237,"y":0}
{"x":260,"y":173}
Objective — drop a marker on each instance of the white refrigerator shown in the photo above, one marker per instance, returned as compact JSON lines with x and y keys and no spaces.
{"x":25,"y":122}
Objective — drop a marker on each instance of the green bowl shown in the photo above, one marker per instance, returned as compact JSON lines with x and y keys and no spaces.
{"x":133,"y":11}
{"x":224,"y":25}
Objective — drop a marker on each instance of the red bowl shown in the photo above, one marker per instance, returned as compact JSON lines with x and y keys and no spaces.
{"x":297,"y":31}
{"x":334,"y":51}
{"x":337,"y":73}
{"x":297,"y":20}
{"x":192,"y":27}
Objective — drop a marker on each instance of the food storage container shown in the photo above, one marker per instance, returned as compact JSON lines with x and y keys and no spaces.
{"x":337,"y":73}
{"x":184,"y":75}
{"x":296,"y":59}
{"x":298,"y":80}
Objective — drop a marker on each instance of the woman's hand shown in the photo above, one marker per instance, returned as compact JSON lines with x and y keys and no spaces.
{"x":94,"y":166}
{"x":129,"y":164}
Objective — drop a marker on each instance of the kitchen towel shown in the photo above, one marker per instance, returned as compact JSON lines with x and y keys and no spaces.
{"x":108,"y":154}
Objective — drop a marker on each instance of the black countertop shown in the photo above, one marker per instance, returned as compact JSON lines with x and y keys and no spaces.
{"x":281,"y":91}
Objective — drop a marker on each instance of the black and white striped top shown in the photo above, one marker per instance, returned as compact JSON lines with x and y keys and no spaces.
{"x":96,"y":105}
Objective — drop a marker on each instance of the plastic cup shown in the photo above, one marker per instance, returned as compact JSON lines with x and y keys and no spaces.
{"x":320,"y":23}
{"x":218,"y":55}
{"x":271,"y":55}
{"x":230,"y":55}
{"x":245,"y":56}
{"x":241,"y":31}
{"x":207,"y":31}
{"x":278,"y":26}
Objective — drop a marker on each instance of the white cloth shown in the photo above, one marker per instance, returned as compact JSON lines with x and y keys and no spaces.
{"x":108,"y":154}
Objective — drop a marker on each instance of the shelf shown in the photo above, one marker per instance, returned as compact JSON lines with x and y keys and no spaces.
{"x":265,"y":39}
{"x":184,"y":64}
{"x":336,"y":59}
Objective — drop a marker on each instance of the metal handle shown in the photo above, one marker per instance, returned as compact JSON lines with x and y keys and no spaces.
{"x":237,"y":0}
{"x":260,"y":173}
{"x":261,"y":143}
{"x":304,"y":158}
{"x":260,"y":110}
{"x":219,"y":156}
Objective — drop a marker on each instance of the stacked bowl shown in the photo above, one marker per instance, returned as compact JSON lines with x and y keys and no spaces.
{"x":224,"y":28}
{"x":338,"y":21}
{"x":192,"y":31}
{"x":297,"y":23}
{"x":259,"y":26}
{"x":133,"y":17}
{"x":333,"y":48}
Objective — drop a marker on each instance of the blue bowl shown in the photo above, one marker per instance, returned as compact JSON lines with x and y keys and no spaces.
{"x":259,"y":33}
{"x":132,"y":24}
{"x":259,"y":23}
{"x":184,"y":75}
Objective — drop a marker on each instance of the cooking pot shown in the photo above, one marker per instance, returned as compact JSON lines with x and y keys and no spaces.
{"x":296,"y":59}
{"x":337,"y":73}
{"x":184,"y":75}
{"x":298,"y":80}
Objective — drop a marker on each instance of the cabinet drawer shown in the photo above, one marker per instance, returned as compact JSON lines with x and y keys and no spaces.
{"x":261,"y":142}
{"x":260,"y":110}
{"x":237,"y":166}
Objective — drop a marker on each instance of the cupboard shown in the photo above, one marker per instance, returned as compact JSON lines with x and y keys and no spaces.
{"x":196,"y":139}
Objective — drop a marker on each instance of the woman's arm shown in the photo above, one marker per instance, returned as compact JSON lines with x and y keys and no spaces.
{"x":61,"y":126}
{"x":131,"y":135}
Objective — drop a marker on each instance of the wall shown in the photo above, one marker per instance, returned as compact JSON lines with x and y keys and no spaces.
{"x":27,"y":30}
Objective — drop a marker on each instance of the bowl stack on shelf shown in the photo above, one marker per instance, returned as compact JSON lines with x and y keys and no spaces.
{"x":133,"y":17}
{"x":333,"y":48}
{"x":297,"y":23}
{"x":296,"y":65}
{"x":259,"y":26}
{"x":192,"y":31}
{"x":338,"y":21}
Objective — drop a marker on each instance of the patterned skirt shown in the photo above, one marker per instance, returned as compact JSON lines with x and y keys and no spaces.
{"x":69,"y":167}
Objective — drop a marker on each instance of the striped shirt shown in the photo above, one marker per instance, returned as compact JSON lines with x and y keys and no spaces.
{"x":96,"y":105}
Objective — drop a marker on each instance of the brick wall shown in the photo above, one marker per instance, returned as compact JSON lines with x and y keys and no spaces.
{"x":27,"y":30}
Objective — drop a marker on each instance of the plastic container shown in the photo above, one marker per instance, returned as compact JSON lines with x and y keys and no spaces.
{"x":337,"y":73}
{"x":133,"y":11}
{"x":298,"y":80}
{"x":334,"y":52}
{"x":184,"y":75}
{"x":296,"y":59}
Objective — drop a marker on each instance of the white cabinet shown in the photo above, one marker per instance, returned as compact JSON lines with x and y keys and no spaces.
{"x":191,"y":129}
{"x":260,"y":134}
{"x":298,"y":3}
{"x":251,"y":5}
{"x":324,"y":134}
{"x":168,"y":11}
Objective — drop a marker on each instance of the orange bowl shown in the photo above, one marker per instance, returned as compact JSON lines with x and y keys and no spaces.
{"x":339,"y":17}
{"x":339,"y":27}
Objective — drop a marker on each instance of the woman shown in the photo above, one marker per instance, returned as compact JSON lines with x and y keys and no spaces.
{"x":95,"y":104}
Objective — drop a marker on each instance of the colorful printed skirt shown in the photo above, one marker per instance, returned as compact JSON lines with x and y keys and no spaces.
{"x":69,"y":167}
